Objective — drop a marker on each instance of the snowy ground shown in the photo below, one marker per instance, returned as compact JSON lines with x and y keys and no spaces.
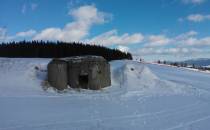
{"x":142,"y":96}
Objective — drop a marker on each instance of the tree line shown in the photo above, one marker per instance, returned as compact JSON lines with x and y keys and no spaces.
{"x":184,"y":64}
{"x":58,"y":49}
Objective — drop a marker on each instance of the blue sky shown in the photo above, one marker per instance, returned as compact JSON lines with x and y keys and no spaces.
{"x":151,"y":29}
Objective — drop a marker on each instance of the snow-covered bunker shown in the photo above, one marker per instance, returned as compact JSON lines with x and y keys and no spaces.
{"x":87,"y":72}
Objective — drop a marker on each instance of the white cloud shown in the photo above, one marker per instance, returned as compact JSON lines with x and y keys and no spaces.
{"x":112,"y":37}
{"x":28,"y":7}
{"x":198,"y":17}
{"x":193,"y":1}
{"x":182,"y":40}
{"x":5,"y":38}
{"x":186,"y":35}
{"x":74,"y":3}
{"x":181,"y":19}
{"x":2,"y":34}
{"x":158,"y":40}
{"x":192,"y":41}
{"x":184,"y":45}
{"x":123,"y":48}
{"x":34,"y":6}
{"x":28,"y":33}
{"x":24,"y":8}
{"x":161,"y":40}
{"x":88,"y":14}
{"x":168,"y":51}
{"x":84,"y":18}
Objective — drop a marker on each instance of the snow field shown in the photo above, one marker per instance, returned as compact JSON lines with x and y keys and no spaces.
{"x":142,"y":96}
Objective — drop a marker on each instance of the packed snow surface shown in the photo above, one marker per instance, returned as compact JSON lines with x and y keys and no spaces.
{"x":142,"y":96}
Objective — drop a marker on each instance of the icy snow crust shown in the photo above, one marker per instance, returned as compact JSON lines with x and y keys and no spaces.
{"x":142,"y":96}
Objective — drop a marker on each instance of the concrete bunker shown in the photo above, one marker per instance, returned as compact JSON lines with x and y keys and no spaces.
{"x":87,"y":72}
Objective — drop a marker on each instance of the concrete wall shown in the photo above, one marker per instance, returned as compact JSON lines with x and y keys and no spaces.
{"x":85,"y":72}
{"x":57,"y":74}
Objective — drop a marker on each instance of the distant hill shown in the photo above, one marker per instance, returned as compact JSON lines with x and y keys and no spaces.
{"x":199,"y":62}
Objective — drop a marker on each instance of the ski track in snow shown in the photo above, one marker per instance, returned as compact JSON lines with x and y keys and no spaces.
{"x":167,"y":113}
{"x":142,"y":96}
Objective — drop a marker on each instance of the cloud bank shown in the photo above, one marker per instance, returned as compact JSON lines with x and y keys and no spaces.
{"x":198,"y":17}
{"x":84,"y":18}
{"x":87,"y":16}
{"x":112,"y":37}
